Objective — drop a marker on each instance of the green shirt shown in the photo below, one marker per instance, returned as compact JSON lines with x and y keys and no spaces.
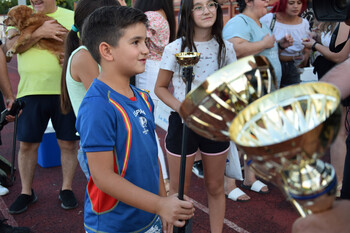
{"x":39,"y":70}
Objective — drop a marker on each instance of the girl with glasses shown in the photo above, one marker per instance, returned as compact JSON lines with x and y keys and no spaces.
{"x":200,"y":30}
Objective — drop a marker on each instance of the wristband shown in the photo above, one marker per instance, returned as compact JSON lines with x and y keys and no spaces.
{"x":280,"y":46}
{"x":314,"y":46}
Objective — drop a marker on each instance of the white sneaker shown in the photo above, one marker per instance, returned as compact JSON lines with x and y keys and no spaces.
{"x":3,"y":190}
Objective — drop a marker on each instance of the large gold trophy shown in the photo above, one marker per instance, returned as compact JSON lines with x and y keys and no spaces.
{"x":210,"y":108}
{"x":285,"y":133}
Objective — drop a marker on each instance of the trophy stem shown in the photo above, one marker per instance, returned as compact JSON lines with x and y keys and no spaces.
{"x":188,"y":75}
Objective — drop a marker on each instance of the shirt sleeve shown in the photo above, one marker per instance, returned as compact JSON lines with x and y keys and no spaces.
{"x":158,"y":31}
{"x":230,"y":53}
{"x":237,"y":27}
{"x":168,"y":61}
{"x":96,"y":125}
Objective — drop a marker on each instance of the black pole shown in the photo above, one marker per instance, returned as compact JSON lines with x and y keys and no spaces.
{"x":12,"y":178}
{"x":188,"y":75}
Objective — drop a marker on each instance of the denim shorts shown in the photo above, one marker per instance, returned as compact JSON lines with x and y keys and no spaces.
{"x":173,"y":140}
{"x":36,"y":114}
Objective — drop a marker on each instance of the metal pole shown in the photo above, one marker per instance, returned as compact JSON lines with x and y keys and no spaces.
{"x":12,"y":178}
{"x":188,"y":74}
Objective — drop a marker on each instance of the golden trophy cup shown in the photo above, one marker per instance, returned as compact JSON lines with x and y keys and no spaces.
{"x":210,"y":108}
{"x":285,"y":133}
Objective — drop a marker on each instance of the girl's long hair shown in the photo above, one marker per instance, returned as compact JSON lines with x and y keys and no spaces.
{"x":155,"y":5}
{"x":83,"y":10}
{"x":186,"y":30}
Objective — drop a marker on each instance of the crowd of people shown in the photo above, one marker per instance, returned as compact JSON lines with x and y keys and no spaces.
{"x":107,"y":44}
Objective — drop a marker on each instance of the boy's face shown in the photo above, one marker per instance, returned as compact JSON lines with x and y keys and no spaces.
{"x":131,"y":52}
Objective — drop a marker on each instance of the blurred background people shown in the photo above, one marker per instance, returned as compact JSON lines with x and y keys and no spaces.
{"x":79,"y":68}
{"x":285,"y":20}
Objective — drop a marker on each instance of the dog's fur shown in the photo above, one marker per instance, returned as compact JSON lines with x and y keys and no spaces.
{"x":26,"y":22}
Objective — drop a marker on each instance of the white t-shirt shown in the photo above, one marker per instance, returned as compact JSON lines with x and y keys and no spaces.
{"x":297,"y":31}
{"x":206,"y":66}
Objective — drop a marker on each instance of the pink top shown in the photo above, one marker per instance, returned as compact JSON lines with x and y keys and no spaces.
{"x":158,"y":34}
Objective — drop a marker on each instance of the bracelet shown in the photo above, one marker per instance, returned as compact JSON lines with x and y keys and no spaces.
{"x":314,"y":46}
{"x":280,"y":46}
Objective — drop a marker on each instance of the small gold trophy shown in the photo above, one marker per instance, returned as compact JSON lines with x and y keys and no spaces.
{"x":210,"y":108}
{"x":285,"y":133}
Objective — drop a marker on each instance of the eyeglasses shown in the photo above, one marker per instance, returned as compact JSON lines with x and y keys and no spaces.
{"x":199,"y":9}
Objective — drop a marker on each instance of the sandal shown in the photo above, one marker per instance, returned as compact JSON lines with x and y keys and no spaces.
{"x":236,"y":193}
{"x":256,"y":187}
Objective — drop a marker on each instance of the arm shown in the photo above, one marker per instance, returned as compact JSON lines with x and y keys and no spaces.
{"x":84,"y":68}
{"x":334,"y":57}
{"x":342,"y":33}
{"x":337,"y":76}
{"x":333,"y":220}
{"x":5,"y":85}
{"x":101,"y":167}
{"x":50,"y":29}
{"x":162,"y":91}
{"x":245,"y":48}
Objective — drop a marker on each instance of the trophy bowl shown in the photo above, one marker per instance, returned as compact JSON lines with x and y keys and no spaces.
{"x":285,"y":133}
{"x":186,"y":59}
{"x":210,"y":108}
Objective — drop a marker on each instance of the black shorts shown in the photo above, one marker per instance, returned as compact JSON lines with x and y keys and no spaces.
{"x":173,"y":140}
{"x":36,"y":114}
{"x":290,"y":74}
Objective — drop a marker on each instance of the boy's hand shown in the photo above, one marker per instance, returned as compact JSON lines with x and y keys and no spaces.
{"x":174,"y":211}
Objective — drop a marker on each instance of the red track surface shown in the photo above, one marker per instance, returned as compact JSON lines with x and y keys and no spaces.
{"x":263,"y":213}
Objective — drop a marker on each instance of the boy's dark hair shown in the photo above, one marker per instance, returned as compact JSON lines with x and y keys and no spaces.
{"x":107,"y":24}
{"x":186,"y":30}
{"x":155,"y":5}
{"x":83,"y":10}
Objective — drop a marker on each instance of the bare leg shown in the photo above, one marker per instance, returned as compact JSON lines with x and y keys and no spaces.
{"x":338,"y":150}
{"x":27,"y":159}
{"x":174,"y":173}
{"x":69,"y":150}
{"x":214,"y":167}
{"x":249,"y":177}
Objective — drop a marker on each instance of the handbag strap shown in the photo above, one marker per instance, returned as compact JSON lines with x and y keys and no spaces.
{"x":273,"y":21}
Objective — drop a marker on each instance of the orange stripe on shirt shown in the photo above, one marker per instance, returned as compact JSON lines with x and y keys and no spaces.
{"x":144,"y":96}
{"x":129,"y":135}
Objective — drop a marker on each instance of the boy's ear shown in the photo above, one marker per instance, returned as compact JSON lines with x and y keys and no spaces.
{"x":105,"y":51}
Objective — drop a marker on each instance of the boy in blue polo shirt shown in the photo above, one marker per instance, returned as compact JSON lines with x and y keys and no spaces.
{"x":125,"y":192}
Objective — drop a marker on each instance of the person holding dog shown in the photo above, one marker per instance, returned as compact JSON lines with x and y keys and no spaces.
{"x":39,"y":87}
